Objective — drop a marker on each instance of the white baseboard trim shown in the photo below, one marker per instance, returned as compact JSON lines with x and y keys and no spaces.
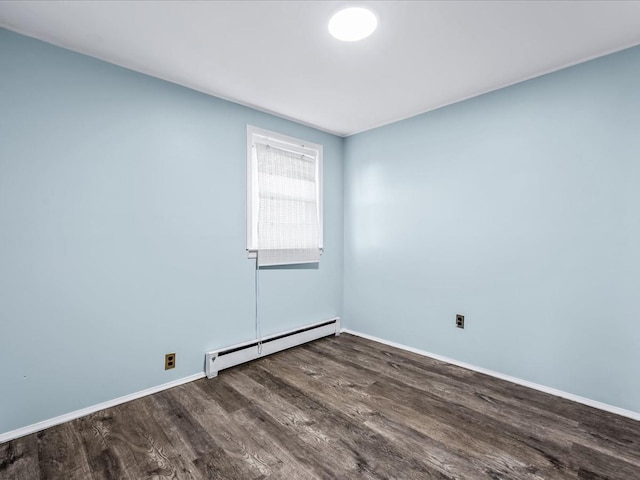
{"x":67,"y":417}
{"x":525,"y":383}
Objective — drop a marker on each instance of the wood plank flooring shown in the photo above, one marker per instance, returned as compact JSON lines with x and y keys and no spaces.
{"x":341,"y":407}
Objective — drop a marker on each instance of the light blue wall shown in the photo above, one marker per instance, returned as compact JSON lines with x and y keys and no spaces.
{"x":122,"y":232}
{"x":519,"y":209}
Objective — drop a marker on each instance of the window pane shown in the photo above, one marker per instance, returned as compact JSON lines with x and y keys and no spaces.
{"x":288,"y":223}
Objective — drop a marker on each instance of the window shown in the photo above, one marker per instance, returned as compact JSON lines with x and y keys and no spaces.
{"x":284,"y":199}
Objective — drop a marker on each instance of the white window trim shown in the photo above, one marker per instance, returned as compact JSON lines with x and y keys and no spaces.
{"x":290,"y":143}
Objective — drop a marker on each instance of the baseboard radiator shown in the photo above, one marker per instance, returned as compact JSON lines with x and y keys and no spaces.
{"x":217,"y":360}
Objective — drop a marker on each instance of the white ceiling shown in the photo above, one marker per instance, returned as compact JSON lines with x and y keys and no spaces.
{"x":277,"y":56}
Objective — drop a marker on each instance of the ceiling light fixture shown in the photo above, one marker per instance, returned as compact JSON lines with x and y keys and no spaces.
{"x":352,"y":24}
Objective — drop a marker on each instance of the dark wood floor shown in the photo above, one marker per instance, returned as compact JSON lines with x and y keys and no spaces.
{"x":343,"y":408}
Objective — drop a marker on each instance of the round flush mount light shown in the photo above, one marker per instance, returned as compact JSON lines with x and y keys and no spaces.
{"x":352,"y":24}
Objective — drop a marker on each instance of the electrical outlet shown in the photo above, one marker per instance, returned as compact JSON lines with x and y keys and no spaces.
{"x":460,"y":321}
{"x":169,"y":361}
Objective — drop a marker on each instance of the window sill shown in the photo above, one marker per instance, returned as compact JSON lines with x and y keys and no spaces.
{"x":253,"y":254}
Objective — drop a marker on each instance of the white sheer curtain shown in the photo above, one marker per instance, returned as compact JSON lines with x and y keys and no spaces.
{"x":288,"y":214}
